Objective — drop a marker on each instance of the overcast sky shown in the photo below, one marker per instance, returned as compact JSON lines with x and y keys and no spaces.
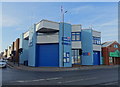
{"x":17,"y":17}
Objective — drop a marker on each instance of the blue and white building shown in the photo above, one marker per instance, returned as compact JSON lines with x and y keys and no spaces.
{"x":53,"y":44}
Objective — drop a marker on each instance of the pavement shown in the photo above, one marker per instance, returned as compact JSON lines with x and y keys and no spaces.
{"x":28,"y":68}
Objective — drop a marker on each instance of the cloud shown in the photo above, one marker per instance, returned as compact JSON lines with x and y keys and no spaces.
{"x":110,"y":23}
{"x":9,"y":21}
{"x":108,"y":29}
{"x":80,"y":9}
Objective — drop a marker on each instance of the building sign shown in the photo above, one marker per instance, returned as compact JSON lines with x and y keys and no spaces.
{"x":86,"y":53}
{"x":66,"y":40}
{"x":115,"y":54}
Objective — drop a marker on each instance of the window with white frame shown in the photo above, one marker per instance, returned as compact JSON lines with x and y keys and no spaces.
{"x":115,"y":46}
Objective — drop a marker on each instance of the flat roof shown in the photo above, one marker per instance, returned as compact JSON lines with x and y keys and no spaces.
{"x":47,"y":21}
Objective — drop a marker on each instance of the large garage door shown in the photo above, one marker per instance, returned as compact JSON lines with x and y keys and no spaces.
{"x":96,"y":58}
{"x":47,"y":55}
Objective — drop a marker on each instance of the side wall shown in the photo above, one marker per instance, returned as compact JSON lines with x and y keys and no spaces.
{"x":105,"y":55}
{"x":87,"y":46}
{"x":65,"y":56}
{"x":24,"y":46}
{"x":32,"y":46}
{"x":16,"y":48}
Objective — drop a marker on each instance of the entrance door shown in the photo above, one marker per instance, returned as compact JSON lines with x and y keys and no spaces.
{"x":96,"y":58}
{"x":76,"y":57}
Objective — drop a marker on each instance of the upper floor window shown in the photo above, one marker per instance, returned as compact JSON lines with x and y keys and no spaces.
{"x":76,"y":36}
{"x":97,"y":40}
{"x":115,"y":46}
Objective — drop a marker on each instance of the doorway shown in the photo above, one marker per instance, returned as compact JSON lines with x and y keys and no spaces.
{"x":76,"y":58}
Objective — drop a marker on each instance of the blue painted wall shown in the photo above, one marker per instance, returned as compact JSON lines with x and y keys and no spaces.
{"x":24,"y":45}
{"x":32,"y":46}
{"x":87,"y":46}
{"x":47,"y":55}
{"x":67,"y":48}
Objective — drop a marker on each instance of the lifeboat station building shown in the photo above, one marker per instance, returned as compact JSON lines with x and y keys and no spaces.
{"x":54,"y":44}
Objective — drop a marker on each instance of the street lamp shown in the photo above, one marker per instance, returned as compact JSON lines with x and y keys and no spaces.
{"x":63,"y":12}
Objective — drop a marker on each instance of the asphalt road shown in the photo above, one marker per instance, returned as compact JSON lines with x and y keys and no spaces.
{"x":107,"y":76}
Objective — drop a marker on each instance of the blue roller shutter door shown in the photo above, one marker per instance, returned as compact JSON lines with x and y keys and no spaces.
{"x":47,"y":55}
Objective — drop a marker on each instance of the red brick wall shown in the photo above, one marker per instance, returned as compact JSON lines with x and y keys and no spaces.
{"x":16,"y":48}
{"x":105,"y":55}
{"x":111,"y":47}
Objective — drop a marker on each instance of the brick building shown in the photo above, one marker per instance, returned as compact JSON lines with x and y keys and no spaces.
{"x":16,"y":49}
{"x":111,"y":53}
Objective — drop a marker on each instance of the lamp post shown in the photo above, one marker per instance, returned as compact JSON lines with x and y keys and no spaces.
{"x":62,"y":13}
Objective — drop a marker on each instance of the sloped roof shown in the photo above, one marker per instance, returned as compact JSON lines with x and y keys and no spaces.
{"x":106,"y":44}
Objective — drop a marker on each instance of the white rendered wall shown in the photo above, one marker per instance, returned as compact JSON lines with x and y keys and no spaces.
{"x":96,"y":34}
{"x":47,"y":24}
{"x":76,"y":44}
{"x":97,"y":47}
{"x":26,"y":34}
{"x":76,"y":28}
{"x":9,"y":51}
{"x":47,"y":38}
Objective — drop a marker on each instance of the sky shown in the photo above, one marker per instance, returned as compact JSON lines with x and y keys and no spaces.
{"x":17,"y":17}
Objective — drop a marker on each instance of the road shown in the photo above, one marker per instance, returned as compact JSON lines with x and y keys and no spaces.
{"x":108,"y":76}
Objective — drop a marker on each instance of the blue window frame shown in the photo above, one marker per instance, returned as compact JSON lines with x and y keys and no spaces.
{"x":76,"y":36}
{"x":97,"y":40}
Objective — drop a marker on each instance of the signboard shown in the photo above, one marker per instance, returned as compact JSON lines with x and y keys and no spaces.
{"x":86,"y":53}
{"x":115,"y":54}
{"x":66,"y":40}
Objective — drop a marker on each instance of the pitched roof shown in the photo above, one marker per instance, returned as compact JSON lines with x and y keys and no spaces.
{"x":106,"y":44}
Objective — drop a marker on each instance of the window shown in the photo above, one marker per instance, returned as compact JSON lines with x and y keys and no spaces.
{"x":97,"y":40}
{"x":75,"y":56}
{"x":76,"y":36}
{"x":110,"y":60}
{"x":73,"y":37}
{"x":66,"y":57}
{"x":115,"y":46}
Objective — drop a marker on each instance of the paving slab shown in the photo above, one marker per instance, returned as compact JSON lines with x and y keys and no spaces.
{"x":29,"y":68}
